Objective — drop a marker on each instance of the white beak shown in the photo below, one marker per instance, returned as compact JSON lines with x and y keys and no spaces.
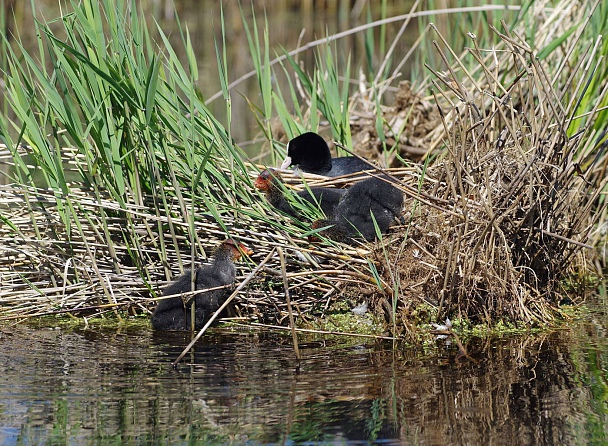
{"x":286,"y":163}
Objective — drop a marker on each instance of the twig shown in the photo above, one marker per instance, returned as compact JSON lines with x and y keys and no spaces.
{"x":224,"y":305}
{"x":288,"y":299}
{"x":450,"y":332}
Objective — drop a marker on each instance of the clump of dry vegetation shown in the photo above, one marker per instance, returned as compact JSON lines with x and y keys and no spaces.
{"x":514,"y":199}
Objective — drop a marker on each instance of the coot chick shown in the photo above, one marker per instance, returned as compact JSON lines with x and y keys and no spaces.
{"x":310,"y":153}
{"x":269,"y":181}
{"x":353,"y":215}
{"x":172,"y":314}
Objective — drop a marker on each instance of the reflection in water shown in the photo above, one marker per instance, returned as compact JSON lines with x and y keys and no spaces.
{"x":105,"y":387}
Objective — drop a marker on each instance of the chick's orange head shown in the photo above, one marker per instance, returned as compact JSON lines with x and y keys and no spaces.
{"x":266,"y":179}
{"x":238,"y":249}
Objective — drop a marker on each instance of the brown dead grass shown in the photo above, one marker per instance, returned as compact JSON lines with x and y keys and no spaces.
{"x":411,"y":125}
{"x":513,"y":212}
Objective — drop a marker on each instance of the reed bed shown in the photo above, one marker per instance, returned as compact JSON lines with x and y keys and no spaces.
{"x":122,"y":179}
{"x":45,"y":271}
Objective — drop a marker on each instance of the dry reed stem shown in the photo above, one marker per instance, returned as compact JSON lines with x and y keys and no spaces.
{"x":221,"y":308}
{"x":292,"y":323}
{"x":538,"y":151}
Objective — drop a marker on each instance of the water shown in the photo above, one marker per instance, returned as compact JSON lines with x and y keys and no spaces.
{"x":99,"y":386}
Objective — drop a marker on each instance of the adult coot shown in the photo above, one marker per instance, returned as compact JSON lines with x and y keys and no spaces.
{"x":172,"y":314}
{"x":269,"y":182}
{"x":309,"y":152}
{"x":353,"y":215}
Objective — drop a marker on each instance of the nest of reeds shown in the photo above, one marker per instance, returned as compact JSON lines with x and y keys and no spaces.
{"x":494,"y":226}
{"x":504,"y":218}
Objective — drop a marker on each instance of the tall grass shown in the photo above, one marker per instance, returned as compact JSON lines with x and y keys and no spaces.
{"x":124,"y":169}
{"x":136,"y":126}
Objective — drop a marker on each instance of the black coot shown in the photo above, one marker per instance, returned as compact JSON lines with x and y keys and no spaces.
{"x":269,"y":181}
{"x":353,"y":215}
{"x":309,"y":152}
{"x":172,"y":314}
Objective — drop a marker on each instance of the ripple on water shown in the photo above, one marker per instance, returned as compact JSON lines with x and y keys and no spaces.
{"x":96,"y":386}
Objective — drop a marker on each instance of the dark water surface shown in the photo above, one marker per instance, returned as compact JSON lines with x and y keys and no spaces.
{"x":110,"y":387}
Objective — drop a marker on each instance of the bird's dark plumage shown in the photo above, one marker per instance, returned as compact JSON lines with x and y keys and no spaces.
{"x":269,"y":182}
{"x":172,"y":314}
{"x":353,"y":215}
{"x":309,"y":152}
